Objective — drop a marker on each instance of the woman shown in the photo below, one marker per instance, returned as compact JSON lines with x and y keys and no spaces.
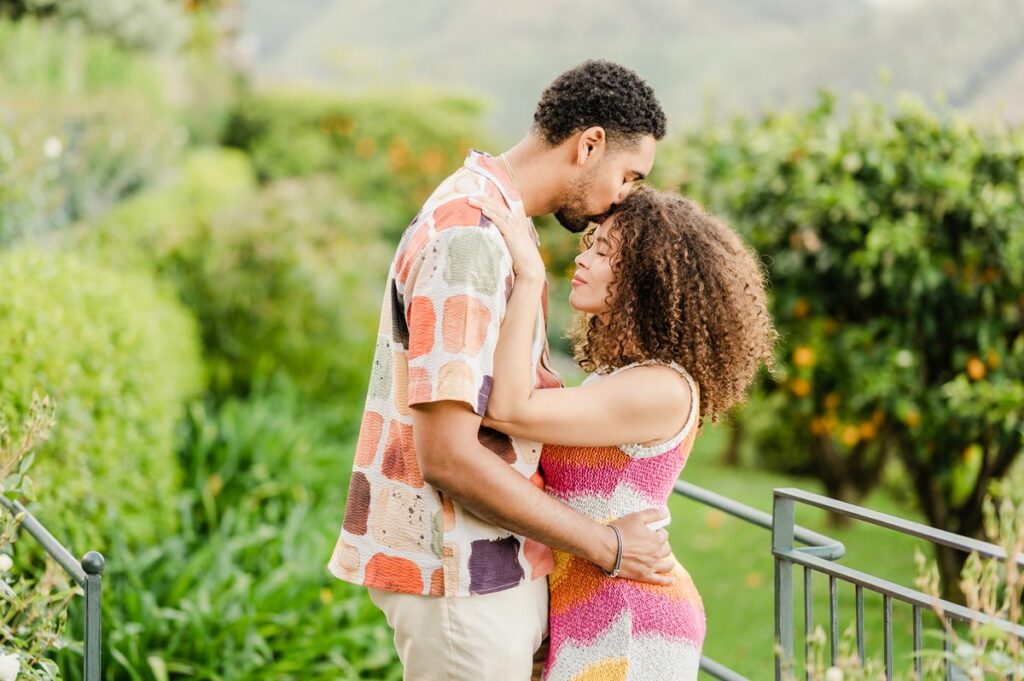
{"x":674,"y":327}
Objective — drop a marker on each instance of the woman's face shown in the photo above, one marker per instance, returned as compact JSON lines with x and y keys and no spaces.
{"x":592,"y":281}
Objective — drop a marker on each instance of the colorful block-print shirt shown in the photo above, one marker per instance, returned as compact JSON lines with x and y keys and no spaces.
{"x":446,"y":294}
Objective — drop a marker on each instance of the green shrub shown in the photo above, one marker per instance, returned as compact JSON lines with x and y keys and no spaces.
{"x":82,"y":124}
{"x":34,"y":603}
{"x":289,"y":280}
{"x":895,"y":246}
{"x":120,"y":357}
{"x":389,"y":150}
{"x":137,"y":24}
{"x":242,"y":590}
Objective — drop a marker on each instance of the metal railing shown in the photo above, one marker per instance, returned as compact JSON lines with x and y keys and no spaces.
{"x":785,"y":531}
{"x":87,"y":573}
{"x":818,"y":546}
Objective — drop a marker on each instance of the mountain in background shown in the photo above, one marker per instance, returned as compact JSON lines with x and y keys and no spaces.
{"x":730,"y":55}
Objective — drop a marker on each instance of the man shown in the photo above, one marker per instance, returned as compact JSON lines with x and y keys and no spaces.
{"x":447,"y":523}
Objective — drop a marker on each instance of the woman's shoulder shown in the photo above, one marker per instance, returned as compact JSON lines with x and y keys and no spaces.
{"x":665,"y":387}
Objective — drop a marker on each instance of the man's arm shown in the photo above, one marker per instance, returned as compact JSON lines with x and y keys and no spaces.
{"x":452,"y":460}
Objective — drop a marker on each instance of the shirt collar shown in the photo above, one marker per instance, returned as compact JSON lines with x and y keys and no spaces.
{"x":493,"y":169}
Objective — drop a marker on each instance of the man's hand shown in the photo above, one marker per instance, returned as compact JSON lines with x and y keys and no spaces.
{"x":646,"y":554}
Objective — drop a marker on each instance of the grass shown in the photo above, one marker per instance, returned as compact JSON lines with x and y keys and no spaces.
{"x":731,"y":563}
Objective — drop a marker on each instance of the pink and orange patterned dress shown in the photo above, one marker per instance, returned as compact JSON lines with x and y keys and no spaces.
{"x":604,"y":628}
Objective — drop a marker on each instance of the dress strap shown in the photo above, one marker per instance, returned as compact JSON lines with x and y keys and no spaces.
{"x":645,"y":451}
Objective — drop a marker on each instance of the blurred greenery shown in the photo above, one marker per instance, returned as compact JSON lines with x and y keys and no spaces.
{"x":894,"y":244}
{"x":391,"y":149}
{"x":287,"y":279}
{"x":121,"y":358}
{"x":241,"y":591}
{"x":193,"y":268}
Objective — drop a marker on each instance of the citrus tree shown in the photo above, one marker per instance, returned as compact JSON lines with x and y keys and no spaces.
{"x":894,"y":241}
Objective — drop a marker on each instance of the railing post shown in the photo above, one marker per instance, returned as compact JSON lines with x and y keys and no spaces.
{"x":783,"y":521}
{"x":93,"y":564}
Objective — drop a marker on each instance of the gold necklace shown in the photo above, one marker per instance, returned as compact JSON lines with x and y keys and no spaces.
{"x":511,"y":174}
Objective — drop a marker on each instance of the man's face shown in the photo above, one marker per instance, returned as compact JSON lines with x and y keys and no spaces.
{"x":604,"y":182}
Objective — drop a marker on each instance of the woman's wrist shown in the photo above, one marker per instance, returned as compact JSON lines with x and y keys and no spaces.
{"x":531,"y":276}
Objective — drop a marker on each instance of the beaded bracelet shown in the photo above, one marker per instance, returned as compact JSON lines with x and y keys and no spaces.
{"x":614,"y":572}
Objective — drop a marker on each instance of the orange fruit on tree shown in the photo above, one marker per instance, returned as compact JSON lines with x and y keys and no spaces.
{"x":819,"y":426}
{"x":801,"y":308}
{"x":804,"y":356}
{"x":800,"y":387}
{"x":975,"y":368}
{"x":992,"y":359}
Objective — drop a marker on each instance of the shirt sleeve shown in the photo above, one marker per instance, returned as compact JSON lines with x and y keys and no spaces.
{"x":455,"y":300}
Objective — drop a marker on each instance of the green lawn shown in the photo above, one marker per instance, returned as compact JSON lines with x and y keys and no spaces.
{"x":731,"y":564}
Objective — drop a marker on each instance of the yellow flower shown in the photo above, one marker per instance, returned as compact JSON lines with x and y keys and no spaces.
{"x":851,"y":435}
{"x":366,"y":147}
{"x":432,"y":161}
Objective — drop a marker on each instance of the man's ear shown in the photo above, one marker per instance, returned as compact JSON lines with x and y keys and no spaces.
{"x":590,"y":144}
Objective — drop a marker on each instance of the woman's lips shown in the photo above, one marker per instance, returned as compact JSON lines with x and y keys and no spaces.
{"x":576,"y":281}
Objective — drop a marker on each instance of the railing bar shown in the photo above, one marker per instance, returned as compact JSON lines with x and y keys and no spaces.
{"x":720,"y":671}
{"x":860,"y":623}
{"x":833,"y":617}
{"x":93,"y":633}
{"x":896,"y":591}
{"x":820,"y":545}
{"x":887,"y":624}
{"x":808,"y":618}
{"x":908,"y":527}
{"x":49,"y":543}
{"x":946,"y":649}
{"x":917,"y":643}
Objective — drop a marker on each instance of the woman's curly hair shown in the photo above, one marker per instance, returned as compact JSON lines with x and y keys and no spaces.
{"x":686,"y":289}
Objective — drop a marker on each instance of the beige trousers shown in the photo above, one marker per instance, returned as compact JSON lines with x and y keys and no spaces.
{"x":473,"y":638}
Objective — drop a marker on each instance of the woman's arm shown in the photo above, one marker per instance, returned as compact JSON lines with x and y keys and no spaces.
{"x":645,"y":404}
{"x":641,"y":405}
{"x":513,"y":370}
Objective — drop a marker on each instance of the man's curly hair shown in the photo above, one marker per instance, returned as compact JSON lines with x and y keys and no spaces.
{"x":599,"y":93}
{"x":686,"y":289}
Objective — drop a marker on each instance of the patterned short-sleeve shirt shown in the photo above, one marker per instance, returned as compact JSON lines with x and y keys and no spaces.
{"x":446,"y":294}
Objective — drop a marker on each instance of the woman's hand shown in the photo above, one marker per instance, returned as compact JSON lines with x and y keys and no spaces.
{"x":517,"y":231}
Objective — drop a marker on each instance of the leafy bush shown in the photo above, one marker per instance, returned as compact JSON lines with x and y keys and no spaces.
{"x":121,"y":357}
{"x":242,"y":591}
{"x":288,"y":280}
{"x":82,"y":124}
{"x":390,"y":151}
{"x":139,"y":24}
{"x":34,"y":607}
{"x":895,"y":244}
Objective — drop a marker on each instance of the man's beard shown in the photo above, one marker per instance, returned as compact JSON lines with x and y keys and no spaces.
{"x":573,"y":214}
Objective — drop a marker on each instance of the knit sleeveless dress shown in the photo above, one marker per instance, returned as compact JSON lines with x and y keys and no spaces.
{"x":603,"y":628}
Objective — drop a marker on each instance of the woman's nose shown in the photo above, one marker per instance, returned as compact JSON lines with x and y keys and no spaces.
{"x":580,"y":261}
